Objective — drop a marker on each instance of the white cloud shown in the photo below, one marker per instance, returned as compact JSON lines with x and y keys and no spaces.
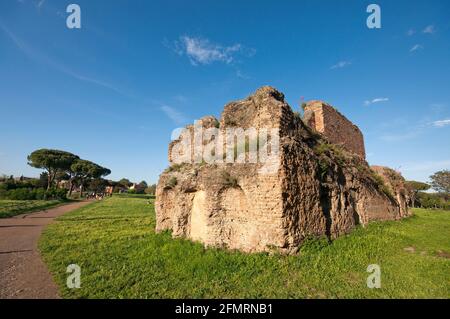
{"x":340,"y":65}
{"x":203,"y":51}
{"x":441,"y":123}
{"x":430,"y":29}
{"x":410,"y":32}
{"x":174,"y":115}
{"x":416,"y":47}
{"x":376,"y":100}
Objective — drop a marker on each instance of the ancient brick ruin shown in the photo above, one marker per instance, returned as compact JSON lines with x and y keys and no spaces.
{"x":325,"y":119}
{"x":316,"y":184}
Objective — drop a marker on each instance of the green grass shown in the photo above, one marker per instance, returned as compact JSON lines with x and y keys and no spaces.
{"x":120,"y":256}
{"x":9,"y":208}
{"x":127,"y":195}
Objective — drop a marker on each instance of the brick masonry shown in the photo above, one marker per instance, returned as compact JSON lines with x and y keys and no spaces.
{"x":326,"y":120}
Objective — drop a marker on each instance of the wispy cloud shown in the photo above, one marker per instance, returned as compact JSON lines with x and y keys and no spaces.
{"x":416,"y":47}
{"x":203,"y":51}
{"x":40,"y":3}
{"x":376,"y":100}
{"x":40,"y":57}
{"x":340,"y":65}
{"x":430,"y":29}
{"x":437,"y":107}
{"x":242,"y":75}
{"x":176,"y":116}
{"x":441,"y":123}
{"x":410,"y":32}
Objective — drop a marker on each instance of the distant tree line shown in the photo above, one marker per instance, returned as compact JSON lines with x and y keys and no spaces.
{"x":62,"y":165}
{"x":140,"y":188}
{"x":440,"y":182}
{"x":64,"y":173}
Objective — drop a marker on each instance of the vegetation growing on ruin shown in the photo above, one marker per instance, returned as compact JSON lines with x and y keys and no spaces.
{"x":230,"y":122}
{"x":174,"y":168}
{"x":327,"y":154}
{"x":297,"y":115}
{"x":228,"y":180}
{"x":381,"y":185}
{"x":172,"y":182}
{"x":331,"y":150}
{"x":121,"y":256}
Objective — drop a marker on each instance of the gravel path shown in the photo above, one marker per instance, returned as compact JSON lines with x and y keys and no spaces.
{"x":23,"y":274}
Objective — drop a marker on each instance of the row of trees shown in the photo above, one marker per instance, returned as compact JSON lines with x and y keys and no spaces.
{"x":141,"y":188}
{"x":62,"y":165}
{"x":440,"y":182}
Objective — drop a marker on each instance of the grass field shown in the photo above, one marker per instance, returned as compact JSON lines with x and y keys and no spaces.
{"x":10,"y":208}
{"x":120,"y":256}
{"x":126,"y":195}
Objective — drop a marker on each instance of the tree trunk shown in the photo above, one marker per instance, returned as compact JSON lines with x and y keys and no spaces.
{"x":81,"y":188}
{"x":70,"y":187}
{"x":49,"y":179}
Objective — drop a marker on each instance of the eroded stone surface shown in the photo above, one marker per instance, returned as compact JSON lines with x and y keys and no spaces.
{"x":317,"y":189}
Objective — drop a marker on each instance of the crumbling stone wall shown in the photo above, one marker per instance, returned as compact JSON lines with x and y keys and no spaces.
{"x":317,"y":189}
{"x":325,"y":119}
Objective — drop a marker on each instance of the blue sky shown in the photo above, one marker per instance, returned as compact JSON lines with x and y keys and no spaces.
{"x":114,"y":90}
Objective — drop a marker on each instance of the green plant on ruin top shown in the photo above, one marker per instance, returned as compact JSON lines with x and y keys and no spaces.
{"x":172,"y":182}
{"x":228,"y":180}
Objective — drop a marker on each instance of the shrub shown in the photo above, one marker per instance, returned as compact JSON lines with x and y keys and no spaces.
{"x":33,"y":194}
{"x":432,"y":200}
{"x":228,"y":180}
{"x":21,"y":194}
{"x":332,"y":150}
{"x":378,"y":180}
{"x":172,"y":182}
{"x":56,"y":193}
{"x":174,"y":168}
{"x":39,"y":193}
{"x":297,"y":115}
{"x":230,"y":122}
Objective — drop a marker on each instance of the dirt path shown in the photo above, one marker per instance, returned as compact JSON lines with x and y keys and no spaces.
{"x":23,"y":274}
